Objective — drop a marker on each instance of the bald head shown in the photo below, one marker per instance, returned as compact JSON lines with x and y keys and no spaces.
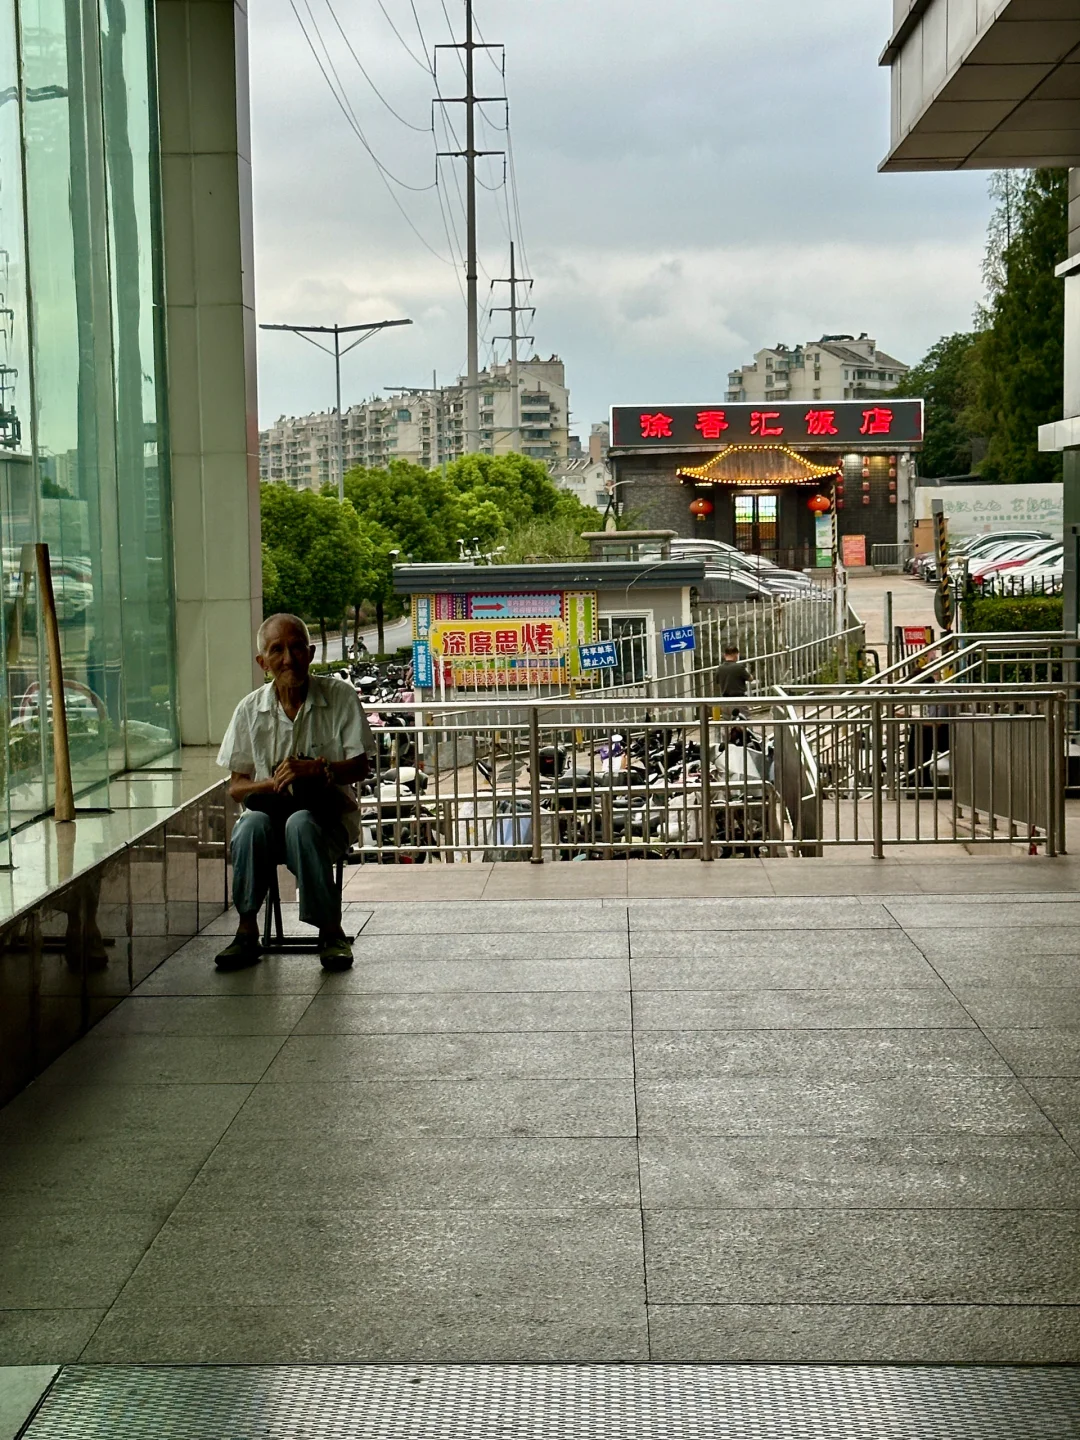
{"x":290,"y":622}
{"x":285,"y":651}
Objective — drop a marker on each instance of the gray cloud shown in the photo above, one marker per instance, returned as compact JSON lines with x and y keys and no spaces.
{"x":696,"y":181}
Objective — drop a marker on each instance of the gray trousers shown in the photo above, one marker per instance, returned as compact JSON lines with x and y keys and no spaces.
{"x":311,"y":852}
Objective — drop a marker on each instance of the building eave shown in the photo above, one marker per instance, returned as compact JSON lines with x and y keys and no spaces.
{"x":456,"y":579}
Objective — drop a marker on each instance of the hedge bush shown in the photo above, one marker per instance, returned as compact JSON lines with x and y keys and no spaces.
{"x":1004,"y":612}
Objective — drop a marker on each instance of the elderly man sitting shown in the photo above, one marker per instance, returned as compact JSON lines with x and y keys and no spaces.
{"x":295,"y":748}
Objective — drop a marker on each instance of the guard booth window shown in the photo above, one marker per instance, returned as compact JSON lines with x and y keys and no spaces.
{"x":631,"y":635}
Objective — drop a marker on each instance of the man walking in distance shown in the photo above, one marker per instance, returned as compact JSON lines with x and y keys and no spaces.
{"x":295,"y":749}
{"x":732,"y":680}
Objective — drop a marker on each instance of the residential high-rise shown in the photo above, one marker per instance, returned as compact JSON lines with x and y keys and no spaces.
{"x":836,"y":367}
{"x":426,"y":427}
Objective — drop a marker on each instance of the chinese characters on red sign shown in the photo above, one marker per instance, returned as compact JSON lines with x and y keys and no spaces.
{"x":844,"y":421}
{"x":876,"y":422}
{"x":656,"y":427}
{"x":821,"y":422}
{"x":712,"y":424}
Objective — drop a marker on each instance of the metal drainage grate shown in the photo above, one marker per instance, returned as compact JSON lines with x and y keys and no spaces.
{"x":543,"y":1402}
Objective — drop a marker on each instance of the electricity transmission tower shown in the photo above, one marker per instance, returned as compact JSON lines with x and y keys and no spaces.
{"x":514,"y":309}
{"x":470,"y":155}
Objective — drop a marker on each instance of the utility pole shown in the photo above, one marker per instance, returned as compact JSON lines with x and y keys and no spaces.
{"x":306,"y":331}
{"x":435,"y":409}
{"x":514,"y":280}
{"x":470,"y":155}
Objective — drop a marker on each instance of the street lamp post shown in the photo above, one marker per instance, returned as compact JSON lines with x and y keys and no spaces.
{"x":307,"y":331}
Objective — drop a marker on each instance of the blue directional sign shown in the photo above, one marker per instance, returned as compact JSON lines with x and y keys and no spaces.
{"x":604,"y":656}
{"x":423,"y":672}
{"x":680,"y":637}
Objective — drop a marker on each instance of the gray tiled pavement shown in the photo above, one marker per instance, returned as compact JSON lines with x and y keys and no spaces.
{"x":839,"y":1127}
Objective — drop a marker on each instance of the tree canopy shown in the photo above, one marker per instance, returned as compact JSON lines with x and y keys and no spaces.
{"x":313,"y":553}
{"x":944,"y":379}
{"x":321,"y":557}
{"x":988,"y":391}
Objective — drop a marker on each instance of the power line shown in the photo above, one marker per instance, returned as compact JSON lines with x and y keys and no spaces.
{"x":380,"y":168}
{"x":421,"y":129}
{"x":338,"y":91}
{"x":424,"y":65}
{"x":423,"y":42}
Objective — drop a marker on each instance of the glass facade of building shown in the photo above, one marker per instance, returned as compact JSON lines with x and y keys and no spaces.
{"x":83,"y":432}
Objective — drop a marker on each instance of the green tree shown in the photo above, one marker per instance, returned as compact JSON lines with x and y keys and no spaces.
{"x":313,"y":550}
{"x":417,"y":507}
{"x":1017,"y":358}
{"x":944,"y":379}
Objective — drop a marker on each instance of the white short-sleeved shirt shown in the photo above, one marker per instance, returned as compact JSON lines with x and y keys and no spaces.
{"x":330,"y":725}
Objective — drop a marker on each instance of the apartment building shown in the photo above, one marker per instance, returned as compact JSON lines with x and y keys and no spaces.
{"x":836,"y":367}
{"x":426,"y":427}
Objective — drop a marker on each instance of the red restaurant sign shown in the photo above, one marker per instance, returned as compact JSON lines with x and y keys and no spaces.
{"x":837,"y":424}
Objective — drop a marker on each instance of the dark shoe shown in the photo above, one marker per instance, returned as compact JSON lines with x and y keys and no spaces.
{"x":241,"y":952}
{"x":335,"y":954}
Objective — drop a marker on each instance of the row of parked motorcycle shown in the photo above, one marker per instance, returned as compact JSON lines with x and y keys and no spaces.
{"x":1010,"y":562}
{"x":640,"y":793}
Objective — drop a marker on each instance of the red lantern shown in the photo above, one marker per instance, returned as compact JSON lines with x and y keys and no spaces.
{"x":701,"y":507}
{"x":819,"y":504}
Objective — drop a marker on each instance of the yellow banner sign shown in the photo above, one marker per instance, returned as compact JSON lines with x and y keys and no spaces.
{"x":489,"y":639}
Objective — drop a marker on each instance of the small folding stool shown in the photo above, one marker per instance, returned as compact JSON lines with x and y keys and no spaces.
{"x":276,"y":939}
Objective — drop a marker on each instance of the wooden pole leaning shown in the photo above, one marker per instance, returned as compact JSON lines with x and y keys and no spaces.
{"x":64,"y":800}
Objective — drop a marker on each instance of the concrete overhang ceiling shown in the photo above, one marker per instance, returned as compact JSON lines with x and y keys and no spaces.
{"x":1013,"y":99}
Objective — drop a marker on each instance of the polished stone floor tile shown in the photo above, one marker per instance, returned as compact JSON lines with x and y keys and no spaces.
{"x":442,"y":1109}
{"x":589,"y":1055}
{"x":1008,"y":940}
{"x":191,"y":972}
{"x":396,"y":1259}
{"x":914,"y":1007}
{"x":935,"y":1105}
{"x":968,"y":1257}
{"x":164,"y":1060}
{"x":1060,"y":1099}
{"x":450,"y":1329}
{"x":508,"y":943}
{"x":405,"y":976}
{"x":205,"y":1015}
{"x":768,"y":971}
{"x":97,"y":1175}
{"x":184,"y":1114}
{"x":921,"y":1172}
{"x":815,"y":1054}
{"x":46,"y":1337}
{"x":496,"y":916}
{"x":1000,"y":967}
{"x":983,"y":912}
{"x":1021,"y":1006}
{"x":865,"y":1334}
{"x":470,"y":1012}
{"x":250,"y":1174}
{"x":61,"y":1260}
{"x":887,"y":947}
{"x":1047,"y":1053}
{"x":21,"y":1387}
{"x":757,"y":913}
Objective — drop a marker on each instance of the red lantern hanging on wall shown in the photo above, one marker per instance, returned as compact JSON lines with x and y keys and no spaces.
{"x":701,"y":507}
{"x":819,"y":504}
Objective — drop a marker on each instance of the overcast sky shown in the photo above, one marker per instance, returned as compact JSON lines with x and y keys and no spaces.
{"x":697,"y":179}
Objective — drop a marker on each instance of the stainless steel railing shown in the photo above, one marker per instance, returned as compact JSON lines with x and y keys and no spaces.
{"x":792,"y":774}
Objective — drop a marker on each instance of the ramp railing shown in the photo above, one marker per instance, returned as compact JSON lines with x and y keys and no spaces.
{"x":791,"y":774}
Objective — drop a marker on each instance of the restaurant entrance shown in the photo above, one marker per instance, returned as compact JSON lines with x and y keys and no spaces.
{"x":756,"y":524}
